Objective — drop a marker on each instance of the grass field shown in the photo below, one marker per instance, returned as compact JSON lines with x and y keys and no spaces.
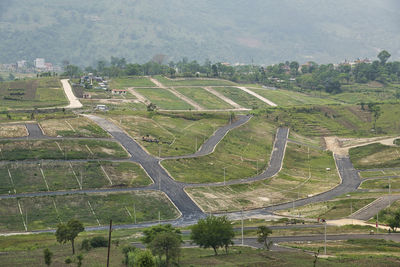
{"x":204,"y":98}
{"x":334,"y":209}
{"x":355,"y":252}
{"x":293,"y":182}
{"x":65,"y":176}
{"x":339,"y":120}
{"x":47,"y":212}
{"x":238,"y":152}
{"x":193,"y":82}
{"x":72,"y":127}
{"x":163,"y":99}
{"x":126,"y":82}
{"x":375,"y":156}
{"x":381,"y":173}
{"x":240,"y":97}
{"x":291,"y":98}
{"x":381,"y":184}
{"x":176,"y":133}
{"x":32,"y":93}
{"x":62,"y":149}
{"x":7,"y":131}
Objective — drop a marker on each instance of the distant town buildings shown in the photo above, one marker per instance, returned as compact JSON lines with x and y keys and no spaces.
{"x":39,"y":63}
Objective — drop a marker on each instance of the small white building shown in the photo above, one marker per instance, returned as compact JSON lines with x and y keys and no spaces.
{"x":40,"y":63}
{"x":102,"y":107}
{"x":118,"y":92}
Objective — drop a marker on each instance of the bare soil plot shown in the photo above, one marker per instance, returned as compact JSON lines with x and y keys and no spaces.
{"x":11,"y":131}
{"x":72,"y":127}
{"x":300,"y":177}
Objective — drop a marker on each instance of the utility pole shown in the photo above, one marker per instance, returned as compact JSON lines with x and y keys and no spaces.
{"x":195,"y":150}
{"x":134,"y":212}
{"x":242,"y":228}
{"x":389,"y":192}
{"x":377,"y":223}
{"x":224,"y":176}
{"x":109,"y":244}
{"x":159,"y":217}
{"x":325,"y":240}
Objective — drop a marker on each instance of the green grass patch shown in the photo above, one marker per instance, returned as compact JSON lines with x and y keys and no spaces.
{"x":32,"y":93}
{"x":291,"y":98}
{"x":164,"y":99}
{"x":240,"y":97}
{"x":133,"y":81}
{"x":42,"y":212}
{"x":204,"y":98}
{"x":375,"y":156}
{"x":193,"y":82}
{"x":66,"y":176}
{"x":62,"y":149}
{"x":381,"y":184}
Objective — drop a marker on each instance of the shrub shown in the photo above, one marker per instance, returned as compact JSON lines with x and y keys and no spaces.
{"x":98,"y":242}
{"x":86,"y":245}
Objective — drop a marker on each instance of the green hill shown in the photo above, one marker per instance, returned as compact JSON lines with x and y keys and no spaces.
{"x":265,"y":31}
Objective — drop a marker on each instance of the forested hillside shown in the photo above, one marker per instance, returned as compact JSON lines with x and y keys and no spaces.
{"x":265,"y":31}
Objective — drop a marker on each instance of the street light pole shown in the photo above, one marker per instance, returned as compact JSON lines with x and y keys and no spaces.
{"x":242,"y":229}
{"x":224,"y":175}
{"x":325,"y":240}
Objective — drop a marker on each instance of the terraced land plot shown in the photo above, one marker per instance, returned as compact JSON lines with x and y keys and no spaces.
{"x":300,"y":177}
{"x":338,"y":120}
{"x":164,"y":99}
{"x":32,"y":93}
{"x":55,"y":176}
{"x":91,"y":210}
{"x":382,"y":184}
{"x":11,"y":131}
{"x":60,"y":149}
{"x":240,"y":152}
{"x":126,"y":82}
{"x":204,"y":98}
{"x":380,"y":173}
{"x":171,"y":134}
{"x":330,"y":210}
{"x":194,"y":82}
{"x":291,"y":98}
{"x":72,"y":127}
{"x":375,"y":156}
{"x":240,"y":97}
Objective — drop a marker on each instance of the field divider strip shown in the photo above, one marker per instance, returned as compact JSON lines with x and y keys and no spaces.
{"x":58,"y":214}
{"x":20,"y":211}
{"x":70,"y":126}
{"x":76,"y":177}
{"x":129,"y":213}
{"x":59,"y":147}
{"x":90,"y":151}
{"x":104,"y":171}
{"x":91,"y":208}
{"x":12,"y":180}
{"x":44,"y":178}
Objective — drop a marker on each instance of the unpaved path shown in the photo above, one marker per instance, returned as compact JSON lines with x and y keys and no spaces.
{"x":177,"y":94}
{"x":263,"y":99}
{"x":334,"y":143}
{"x":139,"y":96}
{"x":73,"y":100}
{"x":224,"y":98}
{"x":374,"y":207}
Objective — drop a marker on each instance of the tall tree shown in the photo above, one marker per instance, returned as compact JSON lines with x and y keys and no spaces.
{"x":384,"y":56}
{"x":68,"y":232}
{"x":166,"y":244}
{"x":213,"y":232}
{"x":263,"y":233}
{"x":47,"y":256}
{"x":152,"y":232}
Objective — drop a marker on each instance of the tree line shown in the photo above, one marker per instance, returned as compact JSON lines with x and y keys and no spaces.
{"x":289,"y":75}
